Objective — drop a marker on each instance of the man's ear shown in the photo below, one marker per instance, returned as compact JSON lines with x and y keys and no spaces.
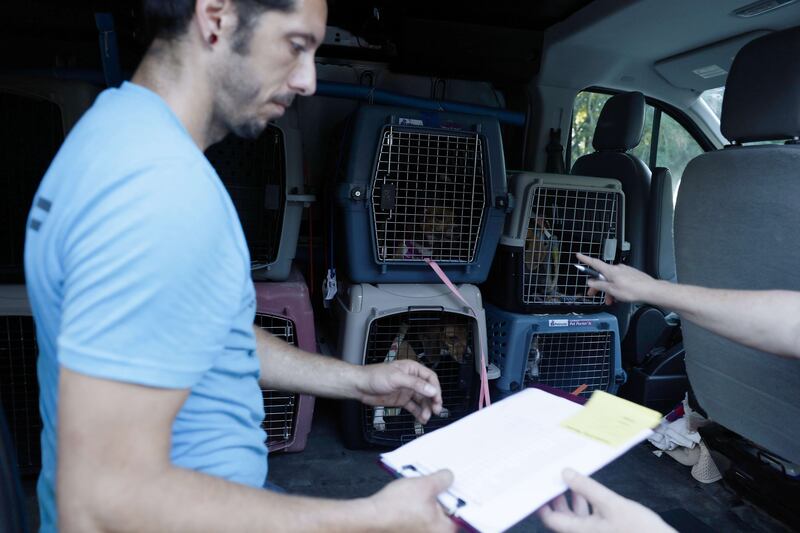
{"x":215,"y":19}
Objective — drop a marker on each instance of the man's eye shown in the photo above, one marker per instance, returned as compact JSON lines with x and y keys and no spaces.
{"x":297,"y":47}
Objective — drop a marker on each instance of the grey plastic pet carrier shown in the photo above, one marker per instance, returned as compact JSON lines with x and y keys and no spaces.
{"x":265,"y":180}
{"x":36,"y":115}
{"x":556,"y":216}
{"x":418,"y":322}
{"x":19,"y":387}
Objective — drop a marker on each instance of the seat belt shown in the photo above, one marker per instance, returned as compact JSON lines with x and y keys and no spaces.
{"x":555,"y":153}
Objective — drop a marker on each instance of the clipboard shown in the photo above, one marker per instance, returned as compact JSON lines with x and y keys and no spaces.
{"x":507,"y":459}
{"x":448,"y":500}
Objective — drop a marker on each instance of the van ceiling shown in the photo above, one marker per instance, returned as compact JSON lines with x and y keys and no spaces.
{"x":615,"y":43}
{"x":493,"y":41}
{"x":610,"y":43}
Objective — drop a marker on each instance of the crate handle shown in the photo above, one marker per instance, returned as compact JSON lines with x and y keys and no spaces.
{"x":305,"y":199}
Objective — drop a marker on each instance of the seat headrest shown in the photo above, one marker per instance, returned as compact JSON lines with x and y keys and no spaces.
{"x":621,"y":123}
{"x":762,"y":93}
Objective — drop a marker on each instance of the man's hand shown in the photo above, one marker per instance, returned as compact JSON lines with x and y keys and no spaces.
{"x":622,"y":283}
{"x":609,"y":511}
{"x":410,"y":504}
{"x":405,"y":384}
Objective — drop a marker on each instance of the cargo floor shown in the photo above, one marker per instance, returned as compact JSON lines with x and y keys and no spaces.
{"x":327,"y":469}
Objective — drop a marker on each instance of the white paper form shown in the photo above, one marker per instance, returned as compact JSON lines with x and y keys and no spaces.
{"x":507,"y":459}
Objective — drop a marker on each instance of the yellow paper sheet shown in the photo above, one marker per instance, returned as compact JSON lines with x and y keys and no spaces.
{"x":611,"y":420}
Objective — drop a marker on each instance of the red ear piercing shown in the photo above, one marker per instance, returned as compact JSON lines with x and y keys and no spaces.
{"x":212,"y":39}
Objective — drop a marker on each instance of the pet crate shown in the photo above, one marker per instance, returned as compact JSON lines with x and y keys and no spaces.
{"x":264,"y":178}
{"x":19,"y":387}
{"x":562,"y":351}
{"x":556,"y":216}
{"x":284,"y":310}
{"x":37,"y":114}
{"x":421,"y":185}
{"x":425,"y":323}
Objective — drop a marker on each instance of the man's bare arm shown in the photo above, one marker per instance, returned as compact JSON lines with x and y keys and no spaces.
{"x":286,"y":367}
{"x":114,"y":473}
{"x":765,"y":320}
{"x":406,"y":384}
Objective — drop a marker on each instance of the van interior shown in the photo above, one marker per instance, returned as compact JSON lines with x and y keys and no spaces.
{"x":499,"y":138}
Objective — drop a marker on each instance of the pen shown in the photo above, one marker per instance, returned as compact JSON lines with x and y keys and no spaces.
{"x":589,"y":271}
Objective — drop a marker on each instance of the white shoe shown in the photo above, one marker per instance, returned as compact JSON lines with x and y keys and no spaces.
{"x":705,"y":471}
{"x":685,"y":456}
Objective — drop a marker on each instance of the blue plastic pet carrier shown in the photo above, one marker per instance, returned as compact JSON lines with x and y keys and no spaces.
{"x":422,"y":185}
{"x":562,"y":351}
{"x":556,"y":216}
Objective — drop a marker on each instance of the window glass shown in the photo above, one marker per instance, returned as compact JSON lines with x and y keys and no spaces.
{"x":675,"y":146}
{"x":713,"y":97}
{"x":584,"y":119}
{"x":642,"y":151}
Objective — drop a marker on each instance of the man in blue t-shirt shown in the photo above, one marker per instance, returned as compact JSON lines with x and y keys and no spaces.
{"x":138,"y":274}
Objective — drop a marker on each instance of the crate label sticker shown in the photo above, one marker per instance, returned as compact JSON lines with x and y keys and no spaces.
{"x":581,"y":323}
{"x":559,"y":323}
{"x":411,"y":122}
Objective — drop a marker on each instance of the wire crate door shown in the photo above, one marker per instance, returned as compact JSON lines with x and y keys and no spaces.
{"x":428,"y":195}
{"x":19,"y":388}
{"x":253,"y":172}
{"x":563,"y":221}
{"x":280,"y":408}
{"x":568,"y":360}
{"x":443,"y":342}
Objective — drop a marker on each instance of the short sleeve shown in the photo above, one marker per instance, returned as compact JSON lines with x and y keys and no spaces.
{"x":151,"y":278}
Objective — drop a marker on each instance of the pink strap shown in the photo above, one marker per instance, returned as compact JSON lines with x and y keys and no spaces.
{"x":483,"y":399}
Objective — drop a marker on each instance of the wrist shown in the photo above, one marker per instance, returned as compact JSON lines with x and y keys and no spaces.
{"x":653,"y":292}
{"x":370,"y":514}
{"x":357,"y":379}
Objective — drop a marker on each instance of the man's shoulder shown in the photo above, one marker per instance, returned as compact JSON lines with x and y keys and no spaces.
{"x":129,"y":126}
{"x":132,"y":145}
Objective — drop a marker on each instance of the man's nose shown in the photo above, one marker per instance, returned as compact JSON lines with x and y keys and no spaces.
{"x":304,"y":78}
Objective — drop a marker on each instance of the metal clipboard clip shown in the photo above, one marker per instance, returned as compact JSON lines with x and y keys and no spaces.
{"x":449,"y":501}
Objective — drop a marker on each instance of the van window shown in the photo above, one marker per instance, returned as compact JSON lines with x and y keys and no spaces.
{"x":713,"y":98}
{"x":674,"y":145}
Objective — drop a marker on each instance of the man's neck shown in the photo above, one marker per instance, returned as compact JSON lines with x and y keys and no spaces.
{"x":185,"y":87}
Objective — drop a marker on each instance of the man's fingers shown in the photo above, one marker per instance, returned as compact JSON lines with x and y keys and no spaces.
{"x":439,"y":482}
{"x":596,"y":264}
{"x":412,"y":407}
{"x":422,"y":408}
{"x":596,"y":286}
{"x":579,"y":505}
{"x":599,"y":496}
{"x":424,"y":383}
{"x":562,"y":522}
{"x":560,"y":504}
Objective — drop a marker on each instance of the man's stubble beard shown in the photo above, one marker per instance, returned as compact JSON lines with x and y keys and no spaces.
{"x":236,"y":93}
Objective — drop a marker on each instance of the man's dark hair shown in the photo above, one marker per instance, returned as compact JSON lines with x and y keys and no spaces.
{"x":168,"y":19}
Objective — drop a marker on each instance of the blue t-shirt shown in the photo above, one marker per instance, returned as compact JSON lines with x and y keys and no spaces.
{"x":137,"y":271}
